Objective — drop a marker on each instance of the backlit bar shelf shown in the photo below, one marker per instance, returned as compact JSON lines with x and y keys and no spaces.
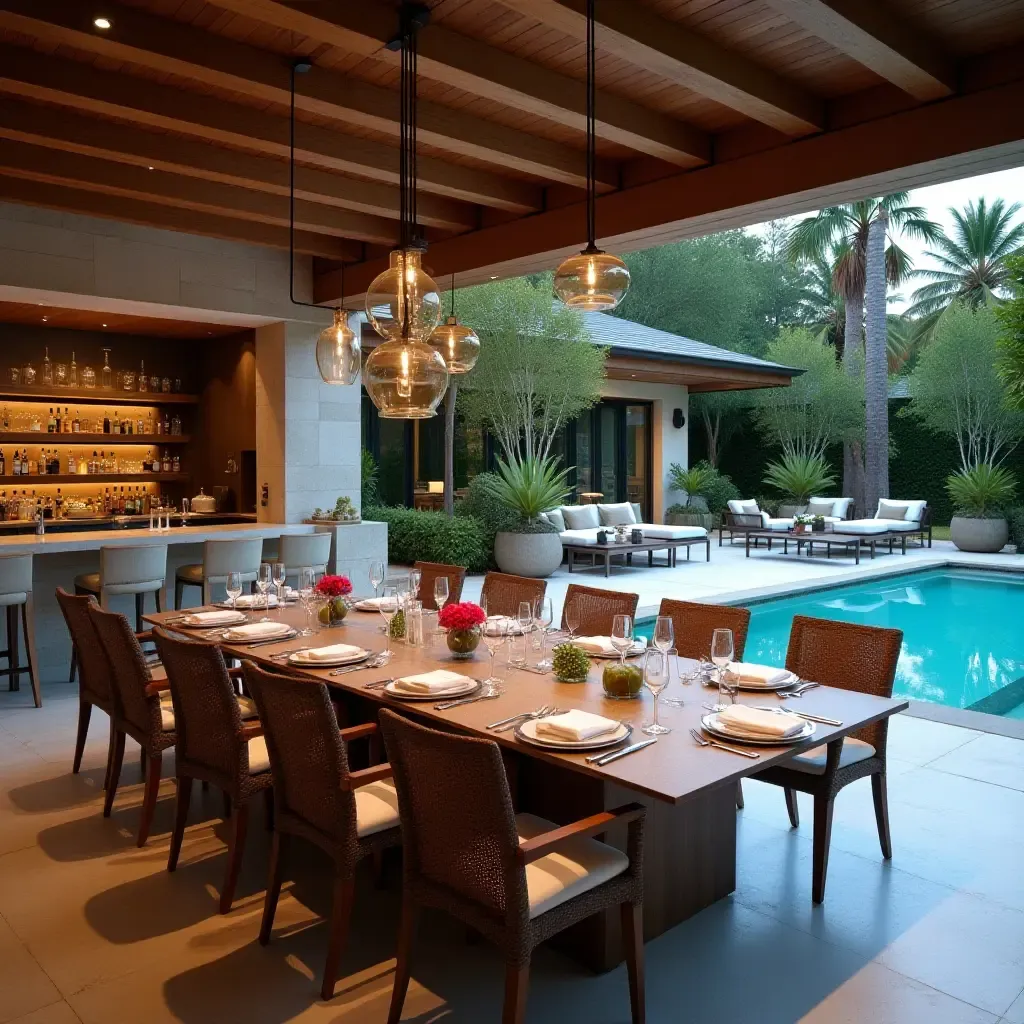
{"x":44,"y":439}
{"x":98,"y":396}
{"x":29,"y":480}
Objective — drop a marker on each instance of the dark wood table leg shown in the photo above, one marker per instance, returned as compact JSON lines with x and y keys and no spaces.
{"x":14,"y":655}
{"x":650,"y":557}
{"x":746,"y":538}
{"x":571,"y":553}
{"x":607,"y":564}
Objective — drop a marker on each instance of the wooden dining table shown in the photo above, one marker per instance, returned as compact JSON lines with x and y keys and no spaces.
{"x":689,"y":790}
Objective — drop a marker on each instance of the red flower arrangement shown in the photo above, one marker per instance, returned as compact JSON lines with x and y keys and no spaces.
{"x":334,"y":586}
{"x":461,"y":616}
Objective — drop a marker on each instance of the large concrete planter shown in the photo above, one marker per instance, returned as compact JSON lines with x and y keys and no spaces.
{"x":790,"y":511}
{"x":703,"y":519}
{"x":528,"y":554}
{"x":983,"y":535}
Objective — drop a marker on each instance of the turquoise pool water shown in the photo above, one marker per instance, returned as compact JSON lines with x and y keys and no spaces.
{"x":963,"y":632}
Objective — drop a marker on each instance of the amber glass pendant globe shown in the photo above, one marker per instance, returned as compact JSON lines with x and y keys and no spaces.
{"x":338,"y":353}
{"x":592,"y":281}
{"x":403,"y":303}
{"x":459,"y":345}
{"x":405,"y":380}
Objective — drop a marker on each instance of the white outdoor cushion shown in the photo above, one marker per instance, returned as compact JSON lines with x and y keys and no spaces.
{"x":743,"y":508}
{"x":575,"y":867}
{"x":813,"y":761}
{"x":376,"y":807}
{"x":821,"y":507}
{"x":900,"y":525}
{"x":556,"y":519}
{"x":915,"y":511}
{"x":581,"y":517}
{"x":841,"y":507}
{"x":616,"y":515}
{"x":891,"y":509}
{"x":777,"y":524}
{"x":655,"y":531}
{"x":862,"y":526}
{"x":578,"y":536}
{"x":259,"y":757}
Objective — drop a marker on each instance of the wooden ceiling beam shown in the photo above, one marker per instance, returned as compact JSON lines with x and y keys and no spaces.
{"x":176,"y":48}
{"x":72,"y":132}
{"x":635,"y":34}
{"x":873,"y":34}
{"x":36,"y":163}
{"x":967,"y":134}
{"x":137,"y":211}
{"x":83,"y":87}
{"x":486,"y":71}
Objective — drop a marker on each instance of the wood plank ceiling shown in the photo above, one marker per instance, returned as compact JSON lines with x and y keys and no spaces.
{"x":708,"y":111}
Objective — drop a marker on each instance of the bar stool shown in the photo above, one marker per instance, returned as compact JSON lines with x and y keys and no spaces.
{"x":220,"y":557}
{"x":15,"y":592}
{"x":302,"y":550}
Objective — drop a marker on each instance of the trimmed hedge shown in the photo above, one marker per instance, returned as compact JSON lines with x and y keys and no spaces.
{"x":490,"y":514}
{"x":432,"y":537}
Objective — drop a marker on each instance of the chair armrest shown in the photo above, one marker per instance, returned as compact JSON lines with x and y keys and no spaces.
{"x":157,"y":686}
{"x":365,"y":776}
{"x":235,"y":673}
{"x":146,"y":634}
{"x":530,"y":850}
{"x":250,"y":730}
{"x":358,"y":732}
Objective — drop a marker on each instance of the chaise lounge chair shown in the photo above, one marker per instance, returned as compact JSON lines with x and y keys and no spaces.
{"x":743,"y":516}
{"x":893,"y":521}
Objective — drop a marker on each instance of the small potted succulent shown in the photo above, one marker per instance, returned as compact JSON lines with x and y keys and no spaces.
{"x":336,"y":590}
{"x":569,"y":664}
{"x":462,"y":620}
{"x":803,"y":524}
{"x":343,"y":512}
{"x":818,"y":524}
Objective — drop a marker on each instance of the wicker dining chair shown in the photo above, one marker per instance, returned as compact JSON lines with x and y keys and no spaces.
{"x":350,"y":815}
{"x":94,"y":686}
{"x":516,"y":879}
{"x":430,"y":571}
{"x":596,"y":609}
{"x":850,"y":657}
{"x":502,"y":594}
{"x":139,"y":710}
{"x":214,"y":744}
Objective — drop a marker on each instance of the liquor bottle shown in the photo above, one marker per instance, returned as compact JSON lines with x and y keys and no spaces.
{"x":106,"y":422}
{"x":67,"y":421}
{"x":177,"y":464}
{"x":76,"y":425}
{"x":143,"y":379}
{"x":59,"y":505}
{"x":131,"y":426}
{"x":167,"y":462}
{"x":51,"y":422}
{"x":3,"y":505}
{"x":3,"y":466}
{"x":57,"y":424}
{"x":121,"y":504}
{"x":140,"y":427}
{"x":16,"y":463}
{"x":106,"y":502}
{"x":149,"y":425}
{"x":116,"y":423}
{"x":33,"y":467}
{"x":72,"y":468}
{"x":7,"y":419}
{"x":94,"y":463}
{"x":55,"y":462}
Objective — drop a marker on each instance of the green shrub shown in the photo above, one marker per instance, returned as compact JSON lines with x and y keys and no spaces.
{"x":489,"y":512}
{"x":369,"y":477}
{"x":981,"y":492}
{"x":432,"y":536}
{"x":799,"y":476}
{"x":693,"y":482}
{"x":1016,"y":517}
{"x":719,"y":490}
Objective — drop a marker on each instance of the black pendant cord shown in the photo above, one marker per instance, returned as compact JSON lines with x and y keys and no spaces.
{"x":452,"y":313}
{"x":299,"y":66}
{"x":407,"y":144}
{"x":591,"y":132}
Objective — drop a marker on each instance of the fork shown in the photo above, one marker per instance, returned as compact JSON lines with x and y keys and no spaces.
{"x":288,"y":654}
{"x":799,"y":691}
{"x":704,"y":742}
{"x":375,"y":662}
{"x":527,"y":716}
{"x":489,"y":693}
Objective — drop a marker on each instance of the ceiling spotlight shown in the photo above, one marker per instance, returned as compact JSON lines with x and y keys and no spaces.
{"x":494,"y":277}
{"x":101,"y":22}
{"x":104,"y":325}
{"x":149,"y":168}
{"x":45,"y":318}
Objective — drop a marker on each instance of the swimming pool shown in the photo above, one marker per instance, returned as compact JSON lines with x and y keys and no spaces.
{"x":963,"y":632}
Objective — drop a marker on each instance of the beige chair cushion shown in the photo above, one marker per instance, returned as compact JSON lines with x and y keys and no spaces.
{"x":190,"y":574}
{"x":89,"y":581}
{"x":620,"y":514}
{"x":577,"y":866}
{"x":259,"y":758}
{"x":581,"y":517}
{"x":376,"y":807}
{"x":245,"y":705}
{"x":813,"y":761}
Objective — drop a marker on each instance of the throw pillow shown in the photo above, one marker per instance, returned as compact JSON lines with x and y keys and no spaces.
{"x":915,"y":511}
{"x":891,"y":509}
{"x":581,"y":517}
{"x":556,"y":519}
{"x":616,"y":515}
{"x":821,"y":507}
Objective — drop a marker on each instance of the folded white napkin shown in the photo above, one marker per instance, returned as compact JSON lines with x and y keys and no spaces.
{"x":505,"y":624}
{"x":254,"y":630}
{"x":218,"y":618}
{"x":369,"y":604}
{"x":575,"y":726}
{"x":332,"y":653}
{"x":603,"y":645}
{"x":747,"y":721}
{"x":759,"y":675}
{"x":255,"y":601}
{"x":438,"y":681}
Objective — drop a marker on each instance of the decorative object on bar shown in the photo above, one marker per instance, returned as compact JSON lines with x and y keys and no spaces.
{"x":47,"y":368}
{"x":106,"y":374}
{"x":459,"y":345}
{"x":462,"y":622}
{"x":73,"y":372}
{"x":28,"y":375}
{"x":406,"y":378}
{"x":594,"y":280}
{"x":88,"y":378}
{"x":338,"y":353}
{"x":570,"y":664}
{"x":622,"y":681}
{"x":336,"y":589}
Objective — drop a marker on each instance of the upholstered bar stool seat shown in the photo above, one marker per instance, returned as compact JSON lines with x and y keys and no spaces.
{"x":15,"y":593}
{"x":220,"y":557}
{"x":312,"y":550}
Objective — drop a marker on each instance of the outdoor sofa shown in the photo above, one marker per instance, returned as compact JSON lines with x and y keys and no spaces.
{"x":742,"y":517}
{"x":893,"y":521}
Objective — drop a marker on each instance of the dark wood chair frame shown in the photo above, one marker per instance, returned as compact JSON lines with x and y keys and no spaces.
{"x":502,"y":592}
{"x":597,"y":608}
{"x":430,"y":571}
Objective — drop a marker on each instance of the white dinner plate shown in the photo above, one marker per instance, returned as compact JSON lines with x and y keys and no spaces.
{"x":300,"y":658}
{"x":286,"y":634}
{"x":460,"y":690}
{"x":362,"y":606}
{"x":236,"y":620}
{"x":527,"y":732}
{"x":631,"y":653}
{"x":788,"y":680}
{"x":710,"y":725}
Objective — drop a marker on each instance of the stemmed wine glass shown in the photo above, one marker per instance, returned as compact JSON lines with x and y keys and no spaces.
{"x":722,"y":653}
{"x":376,"y":576}
{"x":280,"y":575}
{"x":306,"y":583}
{"x":388,"y":607}
{"x":622,"y":635}
{"x":525,"y":620}
{"x":543,"y":616}
{"x":233,"y":586}
{"x":415,"y":576}
{"x":571,"y":618}
{"x":495,"y":633}
{"x":263,"y":581}
{"x":664,"y":633}
{"x":440,"y":591}
{"x":656,"y":678}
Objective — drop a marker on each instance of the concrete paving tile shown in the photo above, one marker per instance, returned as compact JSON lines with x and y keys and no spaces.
{"x":998,"y":760}
{"x":1015,"y":1014}
{"x":55,"y":1013}
{"x":24,"y":986}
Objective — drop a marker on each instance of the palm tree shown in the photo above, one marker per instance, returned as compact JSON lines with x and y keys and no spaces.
{"x":971,"y":261}
{"x":821,"y":307}
{"x":842,"y":231}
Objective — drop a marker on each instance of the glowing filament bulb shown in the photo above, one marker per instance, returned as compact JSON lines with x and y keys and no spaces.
{"x":404,"y":383}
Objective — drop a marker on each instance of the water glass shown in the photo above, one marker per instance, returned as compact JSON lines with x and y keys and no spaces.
{"x":722,"y":653}
{"x":307,"y":580}
{"x":525,"y":620}
{"x":263,"y":581}
{"x":543,"y":616}
{"x":234,"y":587}
{"x":495,"y":633}
{"x":664,"y":633}
{"x":414,"y":623}
{"x":388,"y":608}
{"x":440,"y":591}
{"x":622,"y":635}
{"x":376,"y":576}
{"x":279,"y":577}
{"x":414,"y":583}
{"x":657,"y":674}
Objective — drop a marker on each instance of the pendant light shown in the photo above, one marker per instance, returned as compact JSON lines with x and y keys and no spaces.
{"x":459,"y":345}
{"x":594,"y":280}
{"x":406,"y":378}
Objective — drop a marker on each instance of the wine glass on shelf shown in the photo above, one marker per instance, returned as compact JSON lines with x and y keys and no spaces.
{"x":263,"y":581}
{"x":656,"y":678}
{"x":388,"y":608}
{"x":722,"y":653}
{"x":664,"y":633}
{"x":106,"y":373}
{"x":279,"y":577}
{"x":307,"y":580}
{"x":622,"y":635}
{"x":441,"y":590}
{"x":233,"y":586}
{"x":376,"y":576}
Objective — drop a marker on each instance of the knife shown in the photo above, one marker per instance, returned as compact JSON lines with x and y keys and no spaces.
{"x":600,"y":760}
{"x":808,"y":716}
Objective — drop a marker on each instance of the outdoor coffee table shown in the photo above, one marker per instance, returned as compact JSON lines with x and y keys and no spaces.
{"x":827,"y":537}
{"x":670,"y":546}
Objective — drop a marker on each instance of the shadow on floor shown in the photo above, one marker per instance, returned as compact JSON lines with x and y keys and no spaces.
{"x":59,"y":793}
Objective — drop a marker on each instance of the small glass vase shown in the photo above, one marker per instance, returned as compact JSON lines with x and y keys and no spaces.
{"x":463,"y":642}
{"x":334,"y":611}
{"x":622,"y":681}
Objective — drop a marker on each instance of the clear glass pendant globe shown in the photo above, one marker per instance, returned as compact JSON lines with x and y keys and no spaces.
{"x":459,"y":345}
{"x":405,"y":380}
{"x":338,"y":352}
{"x":403,"y":303}
{"x":592,"y":281}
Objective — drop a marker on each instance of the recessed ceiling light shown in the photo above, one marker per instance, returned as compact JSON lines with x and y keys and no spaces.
{"x":45,"y":318}
{"x":149,"y":168}
{"x":494,"y":277}
{"x":104,"y":325}
{"x":101,"y":22}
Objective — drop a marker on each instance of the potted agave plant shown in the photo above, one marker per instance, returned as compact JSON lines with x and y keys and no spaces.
{"x":694,"y":483}
{"x":980,"y":498}
{"x":799,"y":477}
{"x":529,"y":546}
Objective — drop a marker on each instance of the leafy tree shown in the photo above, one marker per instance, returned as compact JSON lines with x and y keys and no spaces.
{"x":536,"y":370}
{"x":821,"y":307}
{"x":719,"y":412}
{"x":1010,"y":316}
{"x":972,"y":260}
{"x":818,"y":409}
{"x":956,"y":390}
